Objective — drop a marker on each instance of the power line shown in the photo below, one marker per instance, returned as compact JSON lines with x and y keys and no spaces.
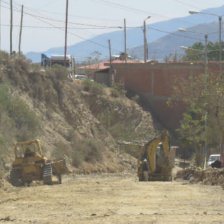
{"x":174,"y":34}
{"x":93,"y":26}
{"x":99,"y":26}
{"x":75,"y":16}
{"x":58,"y":27}
{"x":40,"y":18}
{"x":127,"y":8}
{"x":47,"y":3}
{"x":74,"y":23}
{"x":62,"y":29}
{"x":187,"y":4}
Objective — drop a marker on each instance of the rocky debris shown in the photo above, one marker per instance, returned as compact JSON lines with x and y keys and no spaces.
{"x":210,"y":176}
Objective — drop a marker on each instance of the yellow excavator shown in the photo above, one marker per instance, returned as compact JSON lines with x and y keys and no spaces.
{"x":154,"y":163}
{"x":30,"y":164}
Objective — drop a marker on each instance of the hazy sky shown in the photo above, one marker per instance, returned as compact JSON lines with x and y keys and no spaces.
{"x":44,"y":19}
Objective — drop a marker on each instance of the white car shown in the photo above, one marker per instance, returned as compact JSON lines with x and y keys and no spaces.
{"x":81,"y":77}
{"x":212,"y":158}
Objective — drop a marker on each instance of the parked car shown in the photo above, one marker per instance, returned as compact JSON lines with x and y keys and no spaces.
{"x":212,"y":158}
{"x":80,"y":77}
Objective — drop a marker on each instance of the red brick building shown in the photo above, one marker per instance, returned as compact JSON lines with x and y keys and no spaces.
{"x":155,"y":83}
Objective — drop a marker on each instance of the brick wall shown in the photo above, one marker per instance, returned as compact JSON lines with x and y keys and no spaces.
{"x":155,"y":83}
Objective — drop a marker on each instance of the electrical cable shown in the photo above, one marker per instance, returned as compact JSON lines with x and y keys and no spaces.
{"x":151,"y":27}
{"x":187,"y":4}
{"x":125,"y":7}
{"x":42,"y":19}
{"x":76,"y":35}
{"x":62,"y":21}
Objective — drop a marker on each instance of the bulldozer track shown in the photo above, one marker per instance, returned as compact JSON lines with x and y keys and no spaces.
{"x":47,"y":173}
{"x":15,"y":178}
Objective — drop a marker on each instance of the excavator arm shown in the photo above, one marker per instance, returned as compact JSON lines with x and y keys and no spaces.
{"x":158,"y":158}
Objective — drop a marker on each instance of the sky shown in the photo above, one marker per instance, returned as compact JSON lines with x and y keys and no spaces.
{"x":44,"y":20}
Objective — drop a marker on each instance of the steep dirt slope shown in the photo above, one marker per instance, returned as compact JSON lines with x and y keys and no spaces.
{"x":79,"y":125}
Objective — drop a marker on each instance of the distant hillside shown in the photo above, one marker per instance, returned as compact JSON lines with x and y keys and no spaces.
{"x":171,"y":43}
{"x":134,"y":36}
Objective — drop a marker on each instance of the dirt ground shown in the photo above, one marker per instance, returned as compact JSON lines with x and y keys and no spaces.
{"x":112,"y":199}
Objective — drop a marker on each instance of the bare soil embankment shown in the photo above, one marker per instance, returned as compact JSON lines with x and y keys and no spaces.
{"x":80,"y":124}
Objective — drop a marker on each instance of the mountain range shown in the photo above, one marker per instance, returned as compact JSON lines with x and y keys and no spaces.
{"x":163,"y":38}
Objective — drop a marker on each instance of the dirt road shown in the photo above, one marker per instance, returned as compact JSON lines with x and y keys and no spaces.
{"x":112,"y":199}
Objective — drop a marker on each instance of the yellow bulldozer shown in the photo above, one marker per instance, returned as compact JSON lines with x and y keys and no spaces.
{"x":30,"y":164}
{"x":154,"y":162}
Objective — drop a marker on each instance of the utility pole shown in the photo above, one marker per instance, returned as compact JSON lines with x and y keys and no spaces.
{"x":0,"y":24}
{"x":110,"y":52}
{"x":66,"y":33}
{"x":125,"y":41}
{"x":220,"y":45}
{"x":21,"y":29}
{"x":206,"y":55}
{"x":111,"y":71}
{"x":11,"y":18}
{"x":145,"y":40}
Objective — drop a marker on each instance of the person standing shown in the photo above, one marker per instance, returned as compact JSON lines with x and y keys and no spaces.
{"x":145,"y":169}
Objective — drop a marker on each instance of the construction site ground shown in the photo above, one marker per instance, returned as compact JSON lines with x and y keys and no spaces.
{"x":117,"y":198}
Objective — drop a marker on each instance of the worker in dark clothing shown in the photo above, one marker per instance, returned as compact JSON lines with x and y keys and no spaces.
{"x":145,"y":169}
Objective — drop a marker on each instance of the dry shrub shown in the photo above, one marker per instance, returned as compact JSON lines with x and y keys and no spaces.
{"x":88,"y":150}
{"x":93,"y":87}
{"x":79,"y":151}
{"x":62,"y":149}
{"x":57,"y":72}
{"x":118,"y":90}
{"x":114,"y":93}
{"x":24,"y":119}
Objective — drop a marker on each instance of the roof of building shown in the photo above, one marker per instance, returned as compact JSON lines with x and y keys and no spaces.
{"x":106,"y":64}
{"x":56,"y":56}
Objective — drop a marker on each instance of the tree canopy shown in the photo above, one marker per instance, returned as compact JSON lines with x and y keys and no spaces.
{"x":202,"y":125}
{"x":196,"y":52}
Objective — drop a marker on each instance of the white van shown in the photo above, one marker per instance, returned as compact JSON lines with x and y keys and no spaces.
{"x":212,"y":158}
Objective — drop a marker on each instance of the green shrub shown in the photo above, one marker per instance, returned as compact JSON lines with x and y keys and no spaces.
{"x":25,"y":120}
{"x":62,"y":149}
{"x":114,"y":93}
{"x":5,"y":98}
{"x":136,"y":98}
{"x":106,"y":117}
{"x":118,"y":89}
{"x":4,"y":57}
{"x":92,"y":87}
{"x":77,"y":158}
{"x":93,"y":151}
{"x":79,"y":151}
{"x":88,"y":150}
{"x":57,"y":72}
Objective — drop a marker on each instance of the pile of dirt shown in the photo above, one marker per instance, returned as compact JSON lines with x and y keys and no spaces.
{"x":211,"y":176}
{"x":71,"y":122}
